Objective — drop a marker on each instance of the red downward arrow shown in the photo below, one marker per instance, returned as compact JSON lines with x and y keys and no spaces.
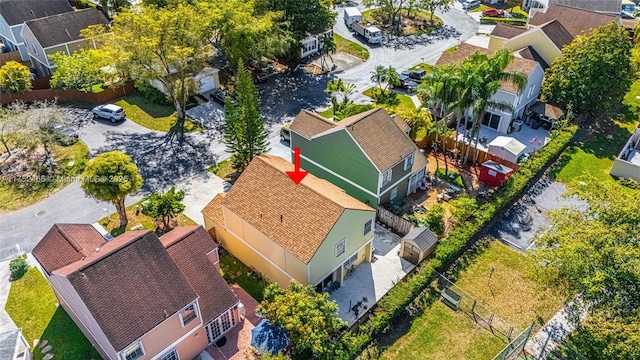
{"x":297,"y":175}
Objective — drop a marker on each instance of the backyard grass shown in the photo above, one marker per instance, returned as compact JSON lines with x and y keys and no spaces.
{"x":235,"y":272}
{"x":512,"y":293}
{"x":70,"y":161}
{"x":136,"y":218}
{"x":327,"y":114}
{"x":406,"y":104}
{"x":451,"y":177}
{"x":426,"y":67}
{"x":350,"y":47}
{"x":152,"y":116}
{"x":451,"y":50}
{"x":32,"y":306}
{"x":224,"y":170}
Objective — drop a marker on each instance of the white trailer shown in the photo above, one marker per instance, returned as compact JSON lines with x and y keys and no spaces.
{"x":352,"y":15}
{"x":371,"y":33}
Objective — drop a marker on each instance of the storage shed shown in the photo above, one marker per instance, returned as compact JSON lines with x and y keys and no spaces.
{"x":493,"y":173}
{"x":418,"y":244}
{"x":507,"y":148}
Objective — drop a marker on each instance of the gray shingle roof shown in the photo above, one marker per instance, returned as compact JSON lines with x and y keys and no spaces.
{"x":423,"y":237}
{"x":8,"y":342}
{"x":64,"y":28}
{"x":18,"y":11}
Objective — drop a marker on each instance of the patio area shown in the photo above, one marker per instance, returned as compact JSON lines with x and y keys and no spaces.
{"x":372,"y":280}
{"x":238,"y":344}
{"x":534,"y":139}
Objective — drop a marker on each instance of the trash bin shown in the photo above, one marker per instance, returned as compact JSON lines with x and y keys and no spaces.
{"x":517,"y":125}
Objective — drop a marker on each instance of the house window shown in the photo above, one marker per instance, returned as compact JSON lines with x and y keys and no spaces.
{"x":133,"y":352}
{"x":394,"y":193}
{"x":341,"y":247}
{"x":367,"y":227}
{"x":408,"y":161}
{"x":386,"y":177}
{"x":173,"y":355}
{"x":492,"y":173}
{"x":350,"y":261}
{"x":214,"y":331}
{"x":188,"y":314}
{"x":226,"y":322}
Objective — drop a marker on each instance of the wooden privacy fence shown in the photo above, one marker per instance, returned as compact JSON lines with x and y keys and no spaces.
{"x":10,"y":56}
{"x":475,"y":156}
{"x":68,"y":95}
{"x":393,"y":221}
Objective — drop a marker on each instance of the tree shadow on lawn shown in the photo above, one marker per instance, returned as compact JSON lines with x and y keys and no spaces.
{"x":163,"y":164}
{"x":66,"y":340}
{"x":592,"y":136}
{"x":285,"y":94}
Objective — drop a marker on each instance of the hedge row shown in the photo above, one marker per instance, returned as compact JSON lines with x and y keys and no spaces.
{"x":510,"y":21}
{"x":402,"y":294}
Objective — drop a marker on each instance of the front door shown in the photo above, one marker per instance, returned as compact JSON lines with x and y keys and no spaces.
{"x":411,"y":253}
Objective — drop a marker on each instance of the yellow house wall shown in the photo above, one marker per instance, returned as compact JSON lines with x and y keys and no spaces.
{"x":496,"y":43}
{"x":351,"y":226}
{"x":536,"y":39}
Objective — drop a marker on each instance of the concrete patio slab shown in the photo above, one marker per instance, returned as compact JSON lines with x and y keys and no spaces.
{"x":372,"y":280}
{"x":199,"y":191}
{"x":533,"y":139}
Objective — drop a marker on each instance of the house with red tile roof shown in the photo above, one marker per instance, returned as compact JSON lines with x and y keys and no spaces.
{"x":312,"y":232}
{"x":138,"y":296}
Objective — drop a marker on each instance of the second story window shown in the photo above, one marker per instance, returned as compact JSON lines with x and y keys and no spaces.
{"x":408,"y":161}
{"x":341,"y":247}
{"x":386,"y":177}
{"x":188,"y":314}
{"x":133,"y":352}
{"x":367,"y":227}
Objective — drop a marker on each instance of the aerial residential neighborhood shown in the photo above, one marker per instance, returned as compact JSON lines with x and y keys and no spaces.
{"x":367,"y":179}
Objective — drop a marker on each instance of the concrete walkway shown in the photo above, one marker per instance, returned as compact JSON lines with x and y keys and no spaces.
{"x":6,"y":323}
{"x":554,"y":331}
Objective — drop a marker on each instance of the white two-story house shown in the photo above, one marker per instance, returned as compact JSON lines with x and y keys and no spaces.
{"x":14,"y":13}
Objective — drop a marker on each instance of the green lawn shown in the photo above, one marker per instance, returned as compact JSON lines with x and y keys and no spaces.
{"x":405,"y":104}
{"x":224,"y":170}
{"x":480,"y":8}
{"x":327,"y":114}
{"x":70,"y":161}
{"x":426,"y":67}
{"x":32,"y":306}
{"x":135,"y":218}
{"x":150,"y":115}
{"x":513,"y":294}
{"x":451,"y":50}
{"x":451,"y":177}
{"x":235,"y":272}
{"x":350,"y":47}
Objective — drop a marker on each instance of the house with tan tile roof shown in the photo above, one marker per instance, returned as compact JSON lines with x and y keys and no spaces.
{"x":312,"y":232}
{"x":549,"y":29}
{"x":369,"y":155}
{"x":499,"y":120}
{"x":138,"y":296}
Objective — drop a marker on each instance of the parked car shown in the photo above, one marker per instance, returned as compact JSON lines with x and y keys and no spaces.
{"x":62,"y":134}
{"x":110,"y":112}
{"x":493,"y":12}
{"x":470,"y":5}
{"x":417,"y":74}
{"x":219,"y":96}
{"x":285,"y":133}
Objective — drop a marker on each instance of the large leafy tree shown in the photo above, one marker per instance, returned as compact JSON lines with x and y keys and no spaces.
{"x":597,"y":254}
{"x":82,"y":70}
{"x":166,"y":45}
{"x":389,"y":9}
{"x":244,"y":133}
{"x":111,"y":176}
{"x":15,"y":77}
{"x":310,"y":318}
{"x":164,"y":206}
{"x":432,"y":5}
{"x":303,"y":17}
{"x":593,"y":72}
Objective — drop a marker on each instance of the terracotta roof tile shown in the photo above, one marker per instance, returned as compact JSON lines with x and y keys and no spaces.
{"x":64,"y":244}
{"x":507,"y":31}
{"x":188,"y":246}
{"x":130,"y":286}
{"x":297,"y":217}
{"x":574,"y":20}
{"x":379,"y":136}
{"x":309,"y":124}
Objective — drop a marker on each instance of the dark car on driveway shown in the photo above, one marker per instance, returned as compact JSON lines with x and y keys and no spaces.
{"x":220,"y":96}
{"x":416,"y":75}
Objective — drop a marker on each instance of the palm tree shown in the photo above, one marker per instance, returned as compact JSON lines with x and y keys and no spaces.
{"x":378,"y":75}
{"x":328,"y":48}
{"x":338,"y":88}
{"x":440,"y":88}
{"x":388,"y":75}
{"x":488,"y":78}
{"x":441,"y":129}
{"x":391,"y":77}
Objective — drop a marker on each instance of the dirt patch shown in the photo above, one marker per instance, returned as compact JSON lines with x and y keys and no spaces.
{"x":24,"y":163}
{"x":336,"y":62}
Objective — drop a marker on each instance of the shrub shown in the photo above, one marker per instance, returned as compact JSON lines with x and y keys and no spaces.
{"x":403,"y":293}
{"x":150,"y":93}
{"x":15,"y":78}
{"x":510,"y":21}
{"x":18,"y":268}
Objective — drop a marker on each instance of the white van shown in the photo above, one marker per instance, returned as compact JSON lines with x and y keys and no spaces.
{"x":470,"y":5}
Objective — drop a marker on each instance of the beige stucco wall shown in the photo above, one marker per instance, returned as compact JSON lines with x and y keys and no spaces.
{"x":496,"y":43}
{"x":539,"y":41}
{"x":71,"y":302}
{"x":349,"y":226}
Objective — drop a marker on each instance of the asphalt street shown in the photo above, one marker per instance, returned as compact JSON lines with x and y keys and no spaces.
{"x":163,"y":165}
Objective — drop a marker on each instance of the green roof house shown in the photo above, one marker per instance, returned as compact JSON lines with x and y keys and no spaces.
{"x":369,"y":155}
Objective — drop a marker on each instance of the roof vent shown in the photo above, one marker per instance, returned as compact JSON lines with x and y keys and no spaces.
{"x":281,"y":217}
{"x":165,"y":314}
{"x":32,"y":12}
{"x":97,"y":249}
{"x":67,"y":31}
{"x":82,"y":274}
{"x":45,"y":14}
